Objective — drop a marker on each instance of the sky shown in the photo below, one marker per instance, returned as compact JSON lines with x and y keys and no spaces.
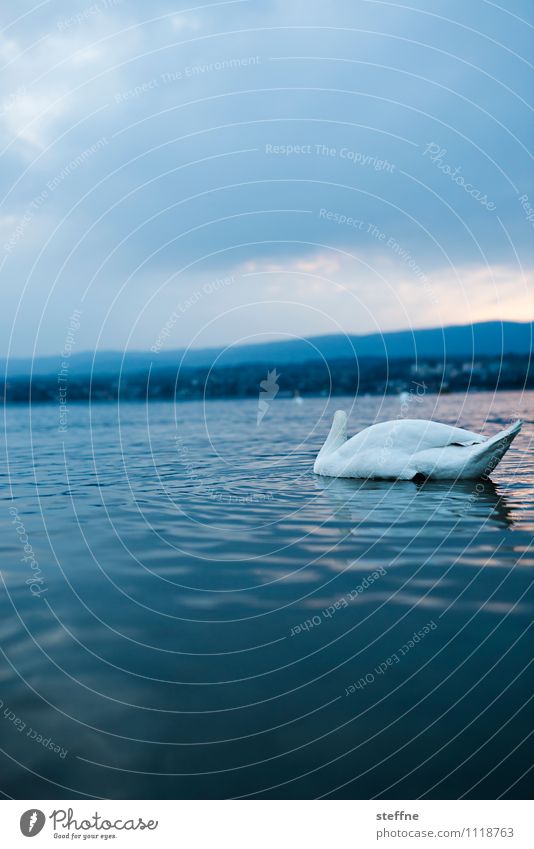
{"x":203,"y":174}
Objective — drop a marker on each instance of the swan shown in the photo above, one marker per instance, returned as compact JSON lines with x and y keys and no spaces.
{"x":411,"y":449}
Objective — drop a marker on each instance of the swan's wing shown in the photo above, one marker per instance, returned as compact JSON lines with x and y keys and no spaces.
{"x":472,"y":461}
{"x":410,"y":436}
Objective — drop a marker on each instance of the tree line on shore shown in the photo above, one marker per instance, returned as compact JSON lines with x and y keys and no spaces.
{"x":372,"y":376}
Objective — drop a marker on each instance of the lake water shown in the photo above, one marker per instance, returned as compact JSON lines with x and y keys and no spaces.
{"x":200,"y":616}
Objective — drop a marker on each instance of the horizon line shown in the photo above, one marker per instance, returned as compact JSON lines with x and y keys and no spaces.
{"x":95,"y":351}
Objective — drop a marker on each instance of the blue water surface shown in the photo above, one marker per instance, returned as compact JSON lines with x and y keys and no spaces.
{"x":200,"y":616}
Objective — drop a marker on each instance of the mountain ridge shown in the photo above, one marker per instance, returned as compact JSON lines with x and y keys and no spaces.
{"x":492,"y":338}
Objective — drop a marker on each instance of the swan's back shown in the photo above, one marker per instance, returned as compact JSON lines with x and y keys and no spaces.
{"x":410,"y":436}
{"x":407,"y":448}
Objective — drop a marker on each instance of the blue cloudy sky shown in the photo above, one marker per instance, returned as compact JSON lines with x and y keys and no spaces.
{"x":217,"y":173}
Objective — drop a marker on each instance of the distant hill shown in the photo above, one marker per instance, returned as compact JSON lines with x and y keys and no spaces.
{"x":491,"y":338}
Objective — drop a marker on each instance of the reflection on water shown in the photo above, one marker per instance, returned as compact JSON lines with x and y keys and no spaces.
{"x":436,"y":504}
{"x":185,"y":607}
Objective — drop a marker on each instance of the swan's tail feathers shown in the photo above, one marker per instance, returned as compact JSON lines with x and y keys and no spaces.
{"x":337,"y":435}
{"x":486,"y":455}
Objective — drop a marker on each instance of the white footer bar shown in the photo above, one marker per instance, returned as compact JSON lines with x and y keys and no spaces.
{"x":268,"y":824}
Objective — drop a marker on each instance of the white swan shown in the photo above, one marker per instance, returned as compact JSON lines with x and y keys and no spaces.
{"x":407,"y":449}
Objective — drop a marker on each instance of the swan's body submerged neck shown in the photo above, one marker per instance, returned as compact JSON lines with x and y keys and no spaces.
{"x":410,"y":449}
{"x":337,"y":435}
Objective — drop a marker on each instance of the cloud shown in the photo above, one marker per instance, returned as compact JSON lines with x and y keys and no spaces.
{"x":47,"y":82}
{"x":281,"y":141}
{"x":184,"y":23}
